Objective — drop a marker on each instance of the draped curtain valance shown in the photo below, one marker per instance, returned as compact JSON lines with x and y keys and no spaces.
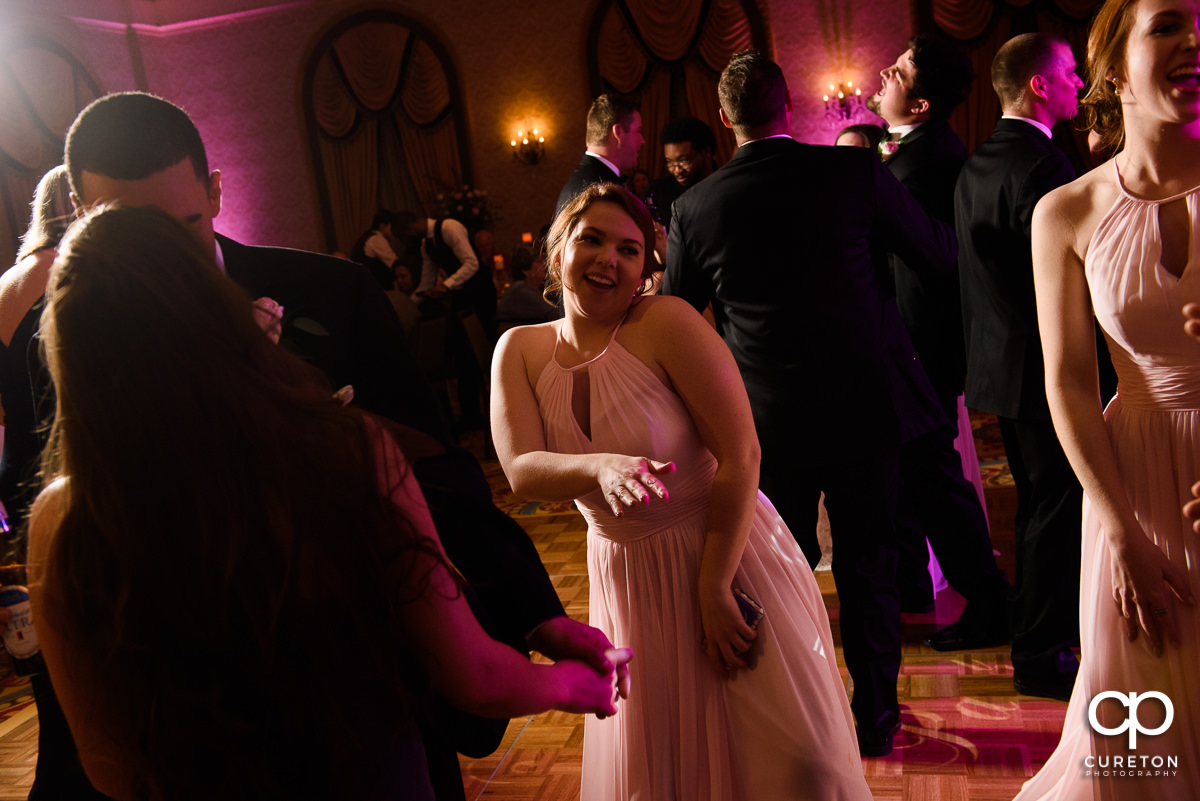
{"x":968,"y":19}
{"x":669,"y":54}
{"x":379,"y":82}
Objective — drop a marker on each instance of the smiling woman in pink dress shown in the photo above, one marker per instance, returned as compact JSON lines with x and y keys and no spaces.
{"x":1123,"y":241}
{"x":633,"y":406}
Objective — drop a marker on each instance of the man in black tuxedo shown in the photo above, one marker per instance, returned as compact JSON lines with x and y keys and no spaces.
{"x":614,"y":137}
{"x":1002,"y":181}
{"x":810,"y":335}
{"x":916,"y":97}
{"x":139,"y":149}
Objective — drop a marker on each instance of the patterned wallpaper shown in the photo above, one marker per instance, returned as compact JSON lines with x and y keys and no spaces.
{"x":239,"y":76}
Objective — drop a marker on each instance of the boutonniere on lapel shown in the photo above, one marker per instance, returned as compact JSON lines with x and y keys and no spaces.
{"x":888,"y":148}
{"x":269,"y":316}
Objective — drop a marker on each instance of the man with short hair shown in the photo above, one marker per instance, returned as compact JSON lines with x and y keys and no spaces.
{"x":809,"y":332}
{"x":140,"y":150}
{"x":374,"y":251}
{"x":936,"y":502}
{"x":614,"y":137}
{"x":916,"y":97}
{"x":689,"y":149}
{"x":1002,"y":181}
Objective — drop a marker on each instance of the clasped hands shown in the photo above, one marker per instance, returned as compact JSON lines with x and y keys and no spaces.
{"x":626,"y":480}
{"x":602,"y":671}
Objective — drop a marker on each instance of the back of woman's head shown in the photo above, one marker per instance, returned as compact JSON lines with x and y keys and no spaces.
{"x":52,"y":211}
{"x":1100,"y":108}
{"x":226,"y":557}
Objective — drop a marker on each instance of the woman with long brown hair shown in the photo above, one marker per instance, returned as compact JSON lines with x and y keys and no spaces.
{"x":236,"y":583}
{"x":1121,"y":242}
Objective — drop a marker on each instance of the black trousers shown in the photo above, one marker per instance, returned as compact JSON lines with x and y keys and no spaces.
{"x":860,"y":498}
{"x":1045,"y":601}
{"x":937,"y":502}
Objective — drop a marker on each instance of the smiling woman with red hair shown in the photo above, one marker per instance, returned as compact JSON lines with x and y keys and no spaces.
{"x":1121,"y":242}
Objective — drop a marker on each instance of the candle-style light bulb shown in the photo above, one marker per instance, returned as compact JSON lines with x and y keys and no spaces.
{"x":541,"y":138}
{"x":513,"y":143}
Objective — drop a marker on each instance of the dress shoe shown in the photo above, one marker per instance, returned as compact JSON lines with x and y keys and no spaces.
{"x":877,"y":743}
{"x":962,"y":636}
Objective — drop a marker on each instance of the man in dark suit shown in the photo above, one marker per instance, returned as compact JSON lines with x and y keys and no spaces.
{"x":937,"y":503}
{"x":614,"y":137}
{"x":1034,"y":75}
{"x":808,"y":330}
{"x":142,"y":150}
{"x":917,"y":95}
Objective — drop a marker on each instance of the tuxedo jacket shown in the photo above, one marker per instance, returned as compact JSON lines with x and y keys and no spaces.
{"x":927,"y":164}
{"x":783,"y":240}
{"x":591,"y":170}
{"x":337,"y":318}
{"x":999,"y":186}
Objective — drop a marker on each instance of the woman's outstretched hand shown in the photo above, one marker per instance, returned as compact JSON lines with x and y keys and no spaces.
{"x":626,"y":480}
{"x":1145,"y":587}
{"x":727,"y":638}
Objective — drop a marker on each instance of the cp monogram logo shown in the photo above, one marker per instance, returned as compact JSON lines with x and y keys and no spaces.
{"x":1131,"y":722}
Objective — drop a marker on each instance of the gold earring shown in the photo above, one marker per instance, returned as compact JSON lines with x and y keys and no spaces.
{"x":1116,"y":86}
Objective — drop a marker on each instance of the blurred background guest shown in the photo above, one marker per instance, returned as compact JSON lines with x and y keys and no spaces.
{"x":862,"y":135}
{"x":688,"y":148}
{"x":524,"y":302}
{"x":376,"y":249}
{"x":638,"y":183}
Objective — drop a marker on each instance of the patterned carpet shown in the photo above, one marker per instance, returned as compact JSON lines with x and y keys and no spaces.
{"x":966,"y":736}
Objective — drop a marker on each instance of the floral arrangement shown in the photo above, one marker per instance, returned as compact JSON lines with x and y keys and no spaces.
{"x":469,"y":206}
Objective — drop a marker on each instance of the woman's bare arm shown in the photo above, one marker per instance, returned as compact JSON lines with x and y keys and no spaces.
{"x":1142,"y":575}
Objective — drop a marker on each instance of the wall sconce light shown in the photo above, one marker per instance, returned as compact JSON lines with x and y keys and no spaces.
{"x":842,"y":104}
{"x":528,"y":147}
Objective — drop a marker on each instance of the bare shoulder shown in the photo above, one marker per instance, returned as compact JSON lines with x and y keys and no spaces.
{"x":45,"y":516}
{"x":52,"y":499}
{"x":1071,"y":213}
{"x":529,"y":345}
{"x":661,"y":330}
{"x":664,"y":312}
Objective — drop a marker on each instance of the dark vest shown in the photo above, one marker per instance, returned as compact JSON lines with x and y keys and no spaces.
{"x":381,"y":271}
{"x":478,"y":293}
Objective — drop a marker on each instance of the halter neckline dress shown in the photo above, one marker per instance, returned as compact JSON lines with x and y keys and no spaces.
{"x":777,"y":731}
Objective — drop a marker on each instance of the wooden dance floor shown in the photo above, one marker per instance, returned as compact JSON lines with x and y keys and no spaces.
{"x":966,"y":734}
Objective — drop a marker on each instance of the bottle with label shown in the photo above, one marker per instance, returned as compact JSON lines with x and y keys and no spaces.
{"x":20,"y":639}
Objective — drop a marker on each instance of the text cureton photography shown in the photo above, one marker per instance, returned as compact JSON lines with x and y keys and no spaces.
{"x":1131,"y":764}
